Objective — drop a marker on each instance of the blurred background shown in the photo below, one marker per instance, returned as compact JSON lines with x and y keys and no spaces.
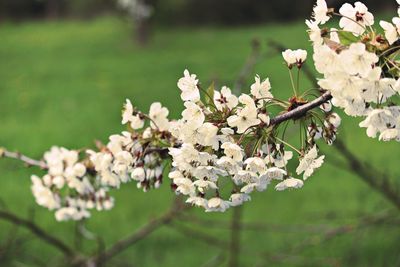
{"x":67,"y":66}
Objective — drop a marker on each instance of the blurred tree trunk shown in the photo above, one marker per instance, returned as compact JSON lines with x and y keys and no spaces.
{"x":143,"y":27}
{"x":142,"y":31}
{"x":53,"y":9}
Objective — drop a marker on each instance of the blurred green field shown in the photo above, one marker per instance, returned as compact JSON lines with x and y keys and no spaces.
{"x":64,"y":83}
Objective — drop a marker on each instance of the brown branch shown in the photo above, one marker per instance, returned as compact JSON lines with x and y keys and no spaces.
{"x":362,"y":223}
{"x":39,"y":232}
{"x":234,"y":246}
{"x":139,"y":235}
{"x":248,"y":66}
{"x":27,"y":160}
{"x":253,"y":226}
{"x":301,"y":110}
{"x":369,"y":175}
{"x":206,"y":238}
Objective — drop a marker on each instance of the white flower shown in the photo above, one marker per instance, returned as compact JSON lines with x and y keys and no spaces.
{"x":289,"y":183}
{"x":238,"y":199}
{"x":310,"y":162}
{"x":390,"y":134}
{"x":245,"y":176}
{"x":326,"y":60}
{"x":71,"y":213}
{"x":326,"y":107}
{"x":225,"y":99}
{"x":59,"y":181}
{"x":184,"y":186}
{"x":280,"y":159}
{"x":188,"y":86}
{"x":233,"y":151}
{"x":217,"y":204}
{"x":264,"y":118}
{"x":245,"y":117}
{"x":320,"y":12}
{"x":377,"y":89}
{"x":261,"y":90}
{"x":333,"y":120}
{"x":255,"y":164}
{"x":135,"y":121}
{"x":128,"y":110}
{"x":396,"y":22}
{"x":249,"y":188}
{"x":314,"y":32}
{"x":357,"y":60}
{"x":193,"y":115}
{"x":229,"y":164}
{"x":207,"y":135}
{"x":197,"y":201}
{"x":390,"y":31}
{"x":158,"y":115}
{"x":356,"y":18}
{"x":204,"y":184}
{"x":378,"y":120}
{"x":275,"y":173}
{"x":293,"y":57}
{"x":43,"y":195}
{"x":138,"y":174}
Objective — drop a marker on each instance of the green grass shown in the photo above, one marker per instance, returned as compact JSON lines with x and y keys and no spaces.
{"x":64,"y":83}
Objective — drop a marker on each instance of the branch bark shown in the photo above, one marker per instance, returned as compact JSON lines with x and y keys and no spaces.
{"x":302,"y":110}
{"x":367,"y":173}
{"x":27,"y":160}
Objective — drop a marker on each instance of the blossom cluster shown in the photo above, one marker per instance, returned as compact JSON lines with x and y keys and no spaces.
{"x":225,"y":147}
{"x":359,"y":65}
{"x":68,"y":187}
{"x":228,"y":147}
{"x":73,"y":186}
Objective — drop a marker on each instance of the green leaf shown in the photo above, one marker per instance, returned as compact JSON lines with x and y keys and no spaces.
{"x":210,"y":94}
{"x":347,"y":38}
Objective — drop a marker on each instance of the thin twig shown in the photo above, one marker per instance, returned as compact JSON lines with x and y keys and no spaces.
{"x":139,"y":234}
{"x":248,"y":66}
{"x":370,"y":175}
{"x":297,"y":249}
{"x":254,"y":226}
{"x":39,"y":232}
{"x":27,"y":160}
{"x":206,"y":238}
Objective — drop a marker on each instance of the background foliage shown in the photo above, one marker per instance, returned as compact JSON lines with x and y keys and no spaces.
{"x":177,"y":12}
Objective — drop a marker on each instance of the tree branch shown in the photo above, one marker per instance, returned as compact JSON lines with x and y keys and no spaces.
{"x":369,"y":175}
{"x":199,"y":235}
{"x":301,"y":110}
{"x":138,"y":235}
{"x":39,"y":232}
{"x":27,"y":160}
{"x":366,"y":172}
